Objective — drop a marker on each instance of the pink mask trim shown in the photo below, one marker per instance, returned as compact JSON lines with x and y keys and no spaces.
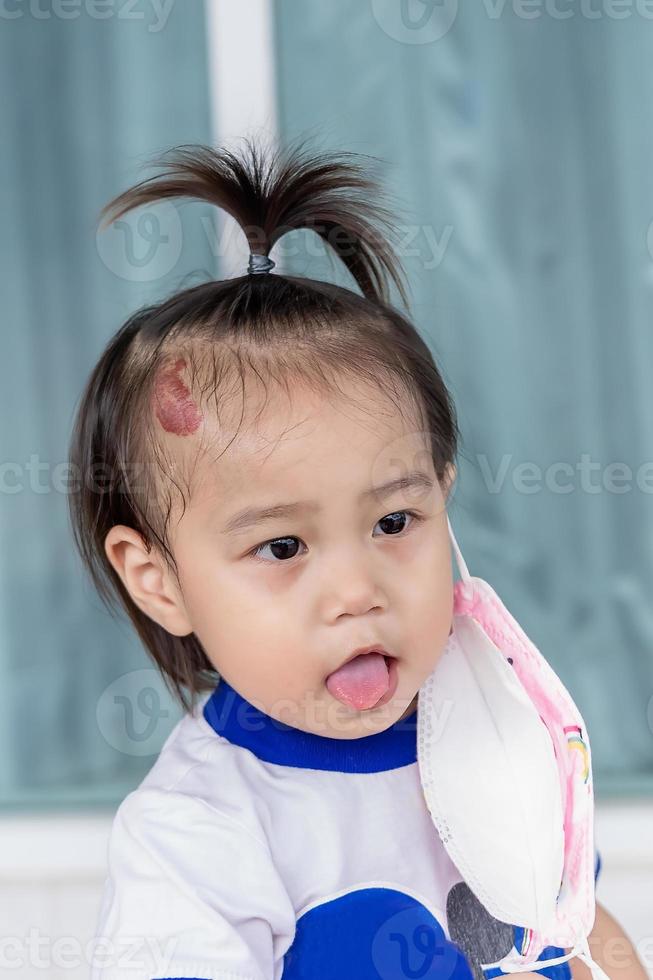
{"x":575,"y":907}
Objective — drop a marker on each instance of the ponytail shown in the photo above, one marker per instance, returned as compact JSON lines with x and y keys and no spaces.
{"x":332,"y":195}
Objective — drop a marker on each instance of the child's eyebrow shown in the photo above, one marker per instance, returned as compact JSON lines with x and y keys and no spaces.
{"x":251,"y":516}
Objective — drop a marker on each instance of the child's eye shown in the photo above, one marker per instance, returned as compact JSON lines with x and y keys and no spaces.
{"x":284,"y":549}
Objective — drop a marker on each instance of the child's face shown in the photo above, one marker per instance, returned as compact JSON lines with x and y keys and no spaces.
{"x":326,"y":580}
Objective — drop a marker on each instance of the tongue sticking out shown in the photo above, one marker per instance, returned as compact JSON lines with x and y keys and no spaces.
{"x":361,"y":682}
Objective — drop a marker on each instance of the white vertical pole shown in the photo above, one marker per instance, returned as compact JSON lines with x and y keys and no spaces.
{"x":243,"y":99}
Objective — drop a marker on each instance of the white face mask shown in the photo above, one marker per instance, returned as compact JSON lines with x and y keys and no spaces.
{"x":505,"y":764}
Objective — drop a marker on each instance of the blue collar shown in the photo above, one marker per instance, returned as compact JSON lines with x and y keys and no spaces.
{"x":241,"y":723}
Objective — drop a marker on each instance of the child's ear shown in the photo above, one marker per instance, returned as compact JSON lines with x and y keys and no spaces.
{"x":147,"y":579}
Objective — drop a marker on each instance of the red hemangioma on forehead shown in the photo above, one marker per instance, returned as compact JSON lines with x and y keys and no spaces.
{"x":173,"y":404}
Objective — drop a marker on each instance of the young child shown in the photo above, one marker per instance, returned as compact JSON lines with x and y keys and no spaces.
{"x":283,"y":451}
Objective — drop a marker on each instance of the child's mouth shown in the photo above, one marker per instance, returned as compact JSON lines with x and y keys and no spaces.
{"x":368,"y":680}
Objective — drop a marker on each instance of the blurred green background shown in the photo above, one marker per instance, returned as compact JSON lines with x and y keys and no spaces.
{"x":518,"y":149}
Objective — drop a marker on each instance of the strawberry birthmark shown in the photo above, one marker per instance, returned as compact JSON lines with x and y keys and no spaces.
{"x":173,"y":404}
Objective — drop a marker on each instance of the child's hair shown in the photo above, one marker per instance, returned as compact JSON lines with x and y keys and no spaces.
{"x":279,"y":327}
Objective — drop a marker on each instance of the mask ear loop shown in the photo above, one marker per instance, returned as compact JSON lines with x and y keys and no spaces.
{"x":586,"y":956}
{"x":462,"y":567}
{"x":581,"y":950}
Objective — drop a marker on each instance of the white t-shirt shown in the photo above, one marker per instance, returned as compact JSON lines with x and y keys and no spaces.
{"x":255,"y":851}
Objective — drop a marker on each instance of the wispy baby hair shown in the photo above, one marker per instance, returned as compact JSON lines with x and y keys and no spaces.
{"x":212,"y":337}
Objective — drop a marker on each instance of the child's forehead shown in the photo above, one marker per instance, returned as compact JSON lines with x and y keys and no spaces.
{"x":285,"y":438}
{"x":308,"y":441}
